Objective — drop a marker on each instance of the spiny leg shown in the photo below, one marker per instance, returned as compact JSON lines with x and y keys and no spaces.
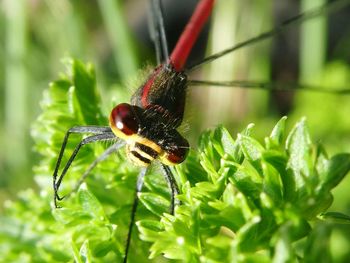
{"x":87,"y":140}
{"x":115,"y":147}
{"x":139,"y":185}
{"x":280,"y":86}
{"x":169,"y":177}
{"x":328,"y":7}
{"x":102,"y":133}
{"x":80,"y":130}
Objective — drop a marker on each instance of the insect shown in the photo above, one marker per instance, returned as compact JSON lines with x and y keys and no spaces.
{"x":147,"y":127}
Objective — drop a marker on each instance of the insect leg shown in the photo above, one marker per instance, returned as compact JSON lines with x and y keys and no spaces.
{"x":169,"y":177}
{"x":139,"y":185}
{"x":115,"y":147}
{"x":87,"y":140}
{"x":285,"y":86}
{"x":328,"y":7}
{"x":77,"y":129}
{"x":103,"y":133}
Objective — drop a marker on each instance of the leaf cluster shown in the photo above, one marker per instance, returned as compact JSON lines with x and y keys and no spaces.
{"x":241,"y":200}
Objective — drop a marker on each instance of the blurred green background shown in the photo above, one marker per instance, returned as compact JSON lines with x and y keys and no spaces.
{"x":113,"y":35}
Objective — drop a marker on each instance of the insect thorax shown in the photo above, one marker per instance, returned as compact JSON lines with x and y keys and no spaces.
{"x":165,"y":92}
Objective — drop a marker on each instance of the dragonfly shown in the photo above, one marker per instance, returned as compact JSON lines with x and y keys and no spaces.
{"x":148,"y":125}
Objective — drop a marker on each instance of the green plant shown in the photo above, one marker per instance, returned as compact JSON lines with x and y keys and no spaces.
{"x":241,"y":201}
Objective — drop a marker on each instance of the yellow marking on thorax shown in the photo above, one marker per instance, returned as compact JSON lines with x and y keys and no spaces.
{"x":136,"y":138}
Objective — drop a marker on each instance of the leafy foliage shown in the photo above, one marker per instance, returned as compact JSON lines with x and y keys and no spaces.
{"x":240,"y":200}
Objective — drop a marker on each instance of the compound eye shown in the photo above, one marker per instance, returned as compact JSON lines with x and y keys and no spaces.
{"x":123,"y":119}
{"x":178,"y":153}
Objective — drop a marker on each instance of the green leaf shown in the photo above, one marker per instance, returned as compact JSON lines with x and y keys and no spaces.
{"x":155,"y":203}
{"x":85,"y":253}
{"x":298,"y":146}
{"x":226,"y":215}
{"x":292,"y":229}
{"x":247,"y":181}
{"x":84,"y":81}
{"x":248,"y":236}
{"x":252,"y":151}
{"x":272,"y":184}
{"x":321,"y":165}
{"x":237,"y":152}
{"x":90,"y":204}
{"x":152,"y":225}
{"x":317,"y":247}
{"x":220,"y":247}
{"x":204,"y":190}
{"x":181,"y":240}
{"x":315,"y":205}
{"x":277,"y":134}
{"x":150,"y":230}
{"x":191,"y":171}
{"x":70,"y":216}
{"x":209,"y":167}
{"x":223,"y":142}
{"x":157,"y":184}
{"x":102,"y":248}
{"x":335,"y":217}
{"x":278,"y":160}
{"x":262,"y":257}
{"x":76,"y":253}
{"x":338,"y":166}
{"x":283,"y":246}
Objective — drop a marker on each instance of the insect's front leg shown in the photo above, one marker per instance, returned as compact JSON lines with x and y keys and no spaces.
{"x":101,"y":134}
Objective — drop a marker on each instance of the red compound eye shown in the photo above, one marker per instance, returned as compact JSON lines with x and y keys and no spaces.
{"x":178,"y":153}
{"x":123,"y":118}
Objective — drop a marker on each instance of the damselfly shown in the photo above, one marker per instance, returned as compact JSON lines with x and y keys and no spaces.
{"x":147,"y":127}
